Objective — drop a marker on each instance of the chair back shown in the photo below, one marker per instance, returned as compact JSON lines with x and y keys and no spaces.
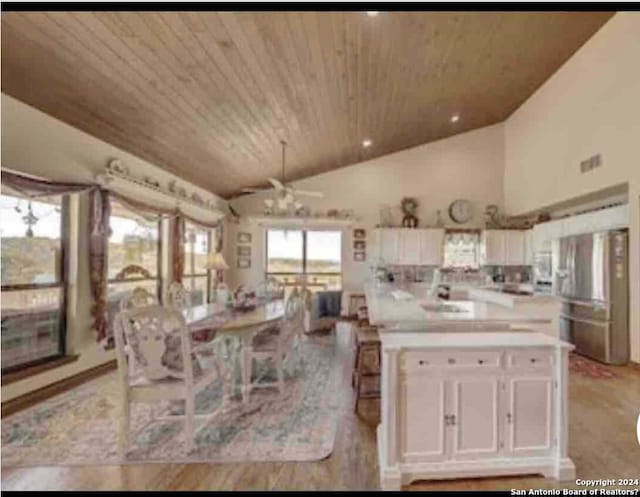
{"x":293,"y":320}
{"x":270,"y":289}
{"x":139,"y":297}
{"x":155,"y":341}
{"x":178,"y":297}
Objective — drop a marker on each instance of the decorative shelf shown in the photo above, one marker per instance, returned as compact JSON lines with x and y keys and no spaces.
{"x":112,"y":174}
{"x":300,"y":221}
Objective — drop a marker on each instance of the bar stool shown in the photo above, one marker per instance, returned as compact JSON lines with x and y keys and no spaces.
{"x":355,"y":299}
{"x":366,"y":371}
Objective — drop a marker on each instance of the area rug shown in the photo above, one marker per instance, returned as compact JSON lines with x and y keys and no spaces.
{"x":589,"y":368}
{"x":80,"y":427}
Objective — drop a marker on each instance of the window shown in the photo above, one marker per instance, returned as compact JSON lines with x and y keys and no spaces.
{"x":461,"y":250}
{"x":33,"y":280}
{"x":196,"y":277}
{"x":134,"y":255}
{"x":315,"y":256}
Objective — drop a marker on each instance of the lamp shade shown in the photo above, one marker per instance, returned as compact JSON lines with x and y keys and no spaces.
{"x":216,"y":262}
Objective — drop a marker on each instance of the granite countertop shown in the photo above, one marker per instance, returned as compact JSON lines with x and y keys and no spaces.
{"x":497,"y":296}
{"x":420,"y":312}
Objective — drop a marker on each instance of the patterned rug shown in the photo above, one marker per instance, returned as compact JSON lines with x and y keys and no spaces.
{"x":587,"y":367}
{"x":80,"y":427}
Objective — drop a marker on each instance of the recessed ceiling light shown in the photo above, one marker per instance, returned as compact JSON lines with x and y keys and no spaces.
{"x":372,"y":13}
{"x":455,"y":118}
{"x":366,"y":143}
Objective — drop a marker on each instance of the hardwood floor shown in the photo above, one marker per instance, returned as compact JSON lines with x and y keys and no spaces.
{"x":603,"y":444}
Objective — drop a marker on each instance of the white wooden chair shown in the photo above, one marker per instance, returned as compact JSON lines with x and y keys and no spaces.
{"x":278,"y":344}
{"x":156,"y":340}
{"x":139,"y":297}
{"x":270,"y":289}
{"x":178,"y":297}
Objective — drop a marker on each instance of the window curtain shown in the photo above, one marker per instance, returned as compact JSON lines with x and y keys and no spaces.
{"x":32,"y":187}
{"x":177,"y":248}
{"x":99,"y":231}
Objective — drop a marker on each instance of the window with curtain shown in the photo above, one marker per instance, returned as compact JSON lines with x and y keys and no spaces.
{"x":196,"y":278}
{"x":313,"y":255}
{"x":462,"y":250}
{"x":134,"y":254}
{"x":33,"y":234}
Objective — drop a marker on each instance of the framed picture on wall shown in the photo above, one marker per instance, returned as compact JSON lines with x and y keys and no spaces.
{"x":359,"y":256}
{"x":244,"y":263}
{"x":244,"y":250}
{"x":359,"y":234}
{"x":244,"y":237}
{"x":359,"y":245}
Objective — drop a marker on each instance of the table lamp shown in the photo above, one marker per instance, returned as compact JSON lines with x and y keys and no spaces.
{"x":216,"y":262}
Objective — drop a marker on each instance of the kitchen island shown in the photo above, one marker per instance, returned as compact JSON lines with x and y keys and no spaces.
{"x":464,"y":394}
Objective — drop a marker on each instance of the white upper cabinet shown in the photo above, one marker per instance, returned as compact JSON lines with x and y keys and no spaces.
{"x":503,"y":248}
{"x":529,"y":248}
{"x":515,"y":248}
{"x":388,"y":245}
{"x":411,"y":247}
{"x":409,"y":244}
{"x":431,"y":247}
{"x":604,"y":219}
{"x":493,"y":248}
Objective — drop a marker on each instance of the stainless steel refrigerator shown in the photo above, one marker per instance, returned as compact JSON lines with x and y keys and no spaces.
{"x":591,"y":276}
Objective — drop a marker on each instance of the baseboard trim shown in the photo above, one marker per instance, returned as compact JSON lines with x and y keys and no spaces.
{"x":31,"y":398}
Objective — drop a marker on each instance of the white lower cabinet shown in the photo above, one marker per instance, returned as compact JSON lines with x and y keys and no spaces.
{"x":474,"y":419}
{"x":476,"y":406}
{"x":422,"y":435}
{"x":473,"y":411}
{"x":529,"y":415}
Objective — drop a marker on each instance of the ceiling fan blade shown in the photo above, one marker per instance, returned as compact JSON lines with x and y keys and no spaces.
{"x":276,"y":184}
{"x":308,"y":193}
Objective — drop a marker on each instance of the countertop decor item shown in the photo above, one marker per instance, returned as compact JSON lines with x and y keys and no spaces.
{"x":460,"y":211}
{"x":409,"y":206}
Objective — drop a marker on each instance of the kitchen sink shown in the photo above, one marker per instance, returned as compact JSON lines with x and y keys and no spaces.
{"x":440,"y":307}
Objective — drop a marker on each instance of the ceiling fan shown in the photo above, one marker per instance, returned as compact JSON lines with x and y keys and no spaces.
{"x":286,"y":193}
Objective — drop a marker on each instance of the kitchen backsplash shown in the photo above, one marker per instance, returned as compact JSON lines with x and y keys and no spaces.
{"x":498,"y":274}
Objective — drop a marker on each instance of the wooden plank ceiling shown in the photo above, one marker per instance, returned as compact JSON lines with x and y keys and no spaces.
{"x":208,"y":96}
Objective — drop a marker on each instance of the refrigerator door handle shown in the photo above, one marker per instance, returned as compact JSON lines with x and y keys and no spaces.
{"x":591,"y":305}
{"x":602,"y":324}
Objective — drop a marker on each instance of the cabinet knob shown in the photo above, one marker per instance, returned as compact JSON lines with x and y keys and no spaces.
{"x":452,"y":361}
{"x":533,"y":360}
{"x":480,"y":361}
{"x":422,"y":362}
{"x":508,"y":417}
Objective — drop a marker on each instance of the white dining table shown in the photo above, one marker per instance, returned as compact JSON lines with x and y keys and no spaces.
{"x":236,"y":328}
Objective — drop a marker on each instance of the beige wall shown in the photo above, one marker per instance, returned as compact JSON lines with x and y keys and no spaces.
{"x":591,"y":105}
{"x":469,"y":165}
{"x":38,"y":144}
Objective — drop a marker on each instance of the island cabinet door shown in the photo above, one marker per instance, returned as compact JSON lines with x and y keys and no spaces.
{"x":422,"y":415}
{"x":529,"y":415}
{"x":474,"y":421}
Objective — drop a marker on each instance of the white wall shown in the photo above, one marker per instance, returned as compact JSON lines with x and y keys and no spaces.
{"x":38,"y":144}
{"x":469,"y":165}
{"x":590,"y":105}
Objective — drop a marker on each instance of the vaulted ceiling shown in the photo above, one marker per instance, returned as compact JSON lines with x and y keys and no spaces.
{"x":208,"y":96}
